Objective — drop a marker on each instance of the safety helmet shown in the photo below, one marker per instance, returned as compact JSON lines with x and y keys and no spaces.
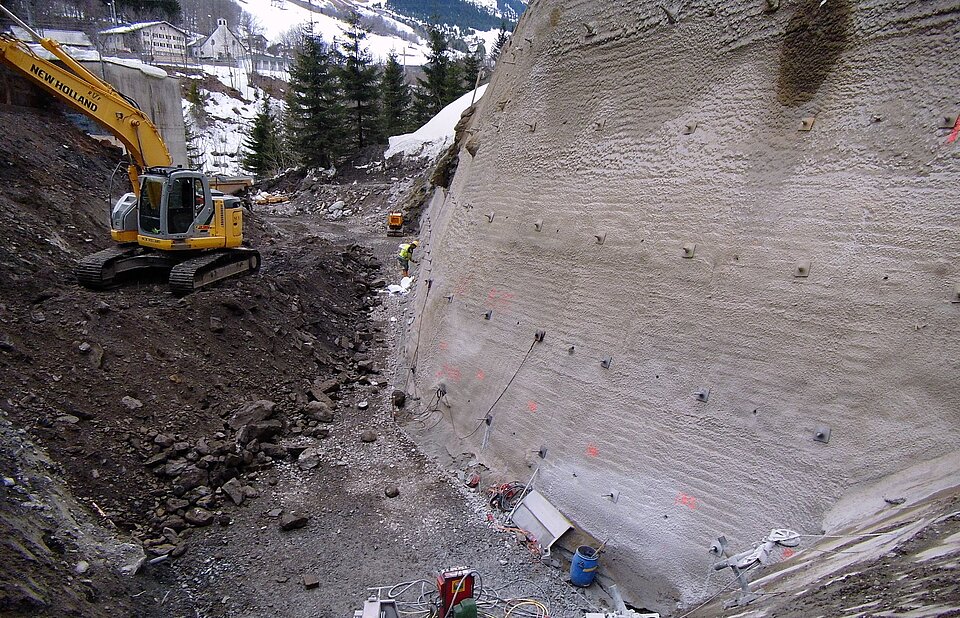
{"x":415,"y":243}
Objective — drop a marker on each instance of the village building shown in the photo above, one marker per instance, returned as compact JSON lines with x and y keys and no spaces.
{"x":221,"y":44}
{"x":268,"y":63}
{"x":156,"y":41}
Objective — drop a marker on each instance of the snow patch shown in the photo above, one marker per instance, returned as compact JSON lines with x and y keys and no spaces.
{"x":218,"y":138}
{"x":146,"y":69}
{"x":432,"y":138}
{"x":278,"y":17}
{"x":401,"y":289}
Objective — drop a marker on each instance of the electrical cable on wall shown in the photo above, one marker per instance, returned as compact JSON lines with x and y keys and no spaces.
{"x":416,"y":348}
{"x":512,"y":378}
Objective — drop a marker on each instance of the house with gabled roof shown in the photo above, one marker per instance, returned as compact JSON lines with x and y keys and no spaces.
{"x":221,"y":44}
{"x":155,"y":41}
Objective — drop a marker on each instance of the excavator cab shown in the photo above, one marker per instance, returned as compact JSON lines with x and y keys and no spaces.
{"x":175,"y":205}
{"x":177,"y":210}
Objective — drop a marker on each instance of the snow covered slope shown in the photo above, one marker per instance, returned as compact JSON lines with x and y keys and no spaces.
{"x":430,"y":139}
{"x":394,"y":32}
{"x":219,"y":129}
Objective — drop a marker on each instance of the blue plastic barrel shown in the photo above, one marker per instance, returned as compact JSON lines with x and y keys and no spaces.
{"x":584,"y":566}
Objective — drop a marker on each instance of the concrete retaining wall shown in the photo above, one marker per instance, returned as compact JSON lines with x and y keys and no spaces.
{"x":160,"y":98}
{"x":803,"y":278}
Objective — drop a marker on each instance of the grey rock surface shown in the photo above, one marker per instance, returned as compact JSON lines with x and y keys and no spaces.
{"x":656,"y":202}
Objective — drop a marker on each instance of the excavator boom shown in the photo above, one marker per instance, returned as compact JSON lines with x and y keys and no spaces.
{"x":91,"y":96}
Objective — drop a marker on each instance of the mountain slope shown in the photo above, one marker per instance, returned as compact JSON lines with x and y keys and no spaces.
{"x":464,"y":14}
{"x":396,"y":26}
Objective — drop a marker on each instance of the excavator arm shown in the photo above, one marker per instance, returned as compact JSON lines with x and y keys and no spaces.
{"x":88,"y":94}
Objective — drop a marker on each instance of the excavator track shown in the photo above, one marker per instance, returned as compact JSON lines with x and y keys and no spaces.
{"x":105,"y":269}
{"x":201,"y":271}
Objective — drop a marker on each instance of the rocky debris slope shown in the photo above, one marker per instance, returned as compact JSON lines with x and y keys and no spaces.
{"x":149,"y":402}
{"x":239,"y":440}
{"x":57,"y":560}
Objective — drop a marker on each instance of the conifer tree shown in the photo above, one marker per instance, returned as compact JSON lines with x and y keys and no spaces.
{"x":502,"y":37}
{"x":470,"y":65}
{"x":455,"y":81}
{"x":433,"y":93}
{"x":358,"y":79}
{"x":194,"y":158}
{"x":395,"y":99}
{"x":262,"y":147}
{"x":196,"y":99}
{"x":314,"y":108}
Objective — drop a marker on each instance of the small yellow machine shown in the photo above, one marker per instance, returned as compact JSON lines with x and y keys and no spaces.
{"x":395,"y":223}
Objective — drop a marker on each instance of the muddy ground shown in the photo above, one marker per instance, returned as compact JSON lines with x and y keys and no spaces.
{"x":171,"y":439}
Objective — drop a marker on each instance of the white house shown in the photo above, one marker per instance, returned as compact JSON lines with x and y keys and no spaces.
{"x":268,"y":63}
{"x":222,"y":44}
{"x":154,"y":40}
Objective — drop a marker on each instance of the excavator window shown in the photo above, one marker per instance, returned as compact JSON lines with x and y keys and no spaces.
{"x":151,"y":196}
{"x":182,"y":204}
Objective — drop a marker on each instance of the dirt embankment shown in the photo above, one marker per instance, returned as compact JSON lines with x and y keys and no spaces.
{"x":133,"y":392}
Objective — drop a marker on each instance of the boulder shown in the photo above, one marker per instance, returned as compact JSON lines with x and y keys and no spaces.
{"x":261,"y":431}
{"x":320,"y":410}
{"x":164,"y":440}
{"x":234,"y":491}
{"x":293,"y":521}
{"x":252,"y":412}
{"x":199,"y":517}
{"x":131,"y":403}
{"x":175,"y":504}
{"x":273,"y":451}
{"x":308,"y":459}
{"x":191,"y":478}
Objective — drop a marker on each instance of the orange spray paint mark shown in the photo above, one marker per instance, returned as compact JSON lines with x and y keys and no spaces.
{"x":532,"y":406}
{"x":955,"y":132}
{"x":592,"y":450}
{"x":450,"y":372}
{"x":788,"y":553}
{"x":481,"y":375}
{"x":683,"y":499}
{"x":498,"y":300}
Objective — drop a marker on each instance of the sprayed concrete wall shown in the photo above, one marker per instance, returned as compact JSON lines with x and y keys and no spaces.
{"x":642,"y":192}
{"x":159,"y":97}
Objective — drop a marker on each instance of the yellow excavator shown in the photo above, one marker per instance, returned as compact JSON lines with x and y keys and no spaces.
{"x":172,"y":222}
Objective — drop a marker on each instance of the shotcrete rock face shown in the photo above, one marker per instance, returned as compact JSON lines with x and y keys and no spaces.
{"x":737,"y":223}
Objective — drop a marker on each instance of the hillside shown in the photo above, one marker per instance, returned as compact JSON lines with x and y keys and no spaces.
{"x":399,"y":26}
